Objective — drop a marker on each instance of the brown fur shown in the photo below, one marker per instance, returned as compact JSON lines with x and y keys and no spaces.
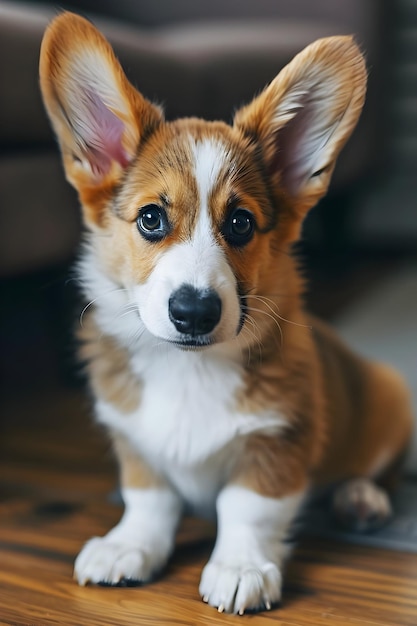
{"x":108,"y":367}
{"x":134,"y":472}
{"x":368,"y":410}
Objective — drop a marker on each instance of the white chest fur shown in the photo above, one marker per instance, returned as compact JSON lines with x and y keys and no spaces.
{"x":188,"y":425}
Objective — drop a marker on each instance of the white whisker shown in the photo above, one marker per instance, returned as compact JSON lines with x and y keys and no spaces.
{"x":254,"y":333}
{"x":274,"y":319}
{"x":133,"y":310}
{"x":103,"y":295}
{"x":268,"y":302}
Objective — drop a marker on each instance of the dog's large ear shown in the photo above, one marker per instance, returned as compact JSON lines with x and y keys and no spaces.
{"x":97,"y":114}
{"x":303,"y":118}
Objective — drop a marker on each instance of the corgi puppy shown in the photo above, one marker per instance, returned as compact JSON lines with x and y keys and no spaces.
{"x":220,"y":394}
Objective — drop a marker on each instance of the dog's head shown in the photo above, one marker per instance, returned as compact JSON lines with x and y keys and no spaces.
{"x":190,"y":216}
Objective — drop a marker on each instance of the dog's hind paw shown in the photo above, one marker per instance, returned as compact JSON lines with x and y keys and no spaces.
{"x":241,"y":589}
{"x":360,"y":505}
{"x":106,"y":562}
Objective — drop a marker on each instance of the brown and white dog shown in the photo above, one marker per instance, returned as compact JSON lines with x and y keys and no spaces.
{"x":219,"y":392}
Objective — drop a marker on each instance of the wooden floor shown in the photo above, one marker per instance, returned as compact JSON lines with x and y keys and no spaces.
{"x":56,"y":475}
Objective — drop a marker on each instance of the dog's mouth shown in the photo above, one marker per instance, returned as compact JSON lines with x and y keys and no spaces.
{"x":191,"y":343}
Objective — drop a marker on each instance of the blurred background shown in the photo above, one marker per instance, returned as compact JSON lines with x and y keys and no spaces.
{"x":207,"y":58}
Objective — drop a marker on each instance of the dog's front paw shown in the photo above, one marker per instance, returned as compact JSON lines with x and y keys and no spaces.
{"x":240,"y":588}
{"x":109,"y":562}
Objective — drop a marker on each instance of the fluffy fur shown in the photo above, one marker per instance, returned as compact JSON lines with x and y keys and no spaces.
{"x":219,"y":392}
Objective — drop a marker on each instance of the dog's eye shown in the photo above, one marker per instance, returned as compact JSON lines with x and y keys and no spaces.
{"x":153,"y":223}
{"x":239,"y":227}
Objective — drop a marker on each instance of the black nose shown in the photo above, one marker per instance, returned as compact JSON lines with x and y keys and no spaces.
{"x":193,"y":311}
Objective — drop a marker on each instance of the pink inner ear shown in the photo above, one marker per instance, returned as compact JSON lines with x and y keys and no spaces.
{"x":293,"y":151}
{"x":102,"y":134}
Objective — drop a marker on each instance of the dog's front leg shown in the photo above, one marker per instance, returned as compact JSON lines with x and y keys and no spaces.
{"x":141,"y":543}
{"x":244,"y":571}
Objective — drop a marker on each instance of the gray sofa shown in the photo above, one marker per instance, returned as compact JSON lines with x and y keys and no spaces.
{"x":197,"y":58}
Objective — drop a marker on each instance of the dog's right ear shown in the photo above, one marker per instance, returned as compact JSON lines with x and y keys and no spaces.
{"x":98,"y":116}
{"x":305,"y":116}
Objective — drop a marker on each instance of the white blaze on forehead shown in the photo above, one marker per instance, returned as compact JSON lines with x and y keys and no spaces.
{"x":209,"y":159}
{"x":206,"y":256}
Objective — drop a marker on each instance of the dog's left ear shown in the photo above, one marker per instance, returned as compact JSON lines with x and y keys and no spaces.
{"x":304,"y":117}
{"x":98,"y":116}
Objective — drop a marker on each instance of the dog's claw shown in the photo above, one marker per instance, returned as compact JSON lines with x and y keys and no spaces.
{"x":268,"y":605}
{"x":221,"y":608}
{"x":205,"y":599}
